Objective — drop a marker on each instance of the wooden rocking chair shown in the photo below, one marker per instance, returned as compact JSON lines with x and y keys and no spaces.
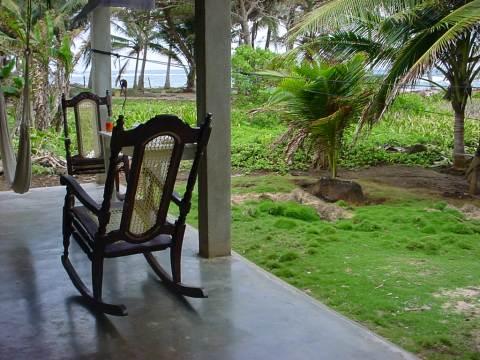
{"x":85,"y":160}
{"x":140,"y":223}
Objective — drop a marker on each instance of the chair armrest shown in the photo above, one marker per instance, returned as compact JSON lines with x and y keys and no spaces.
{"x":74,"y":187}
{"x":176,"y":198}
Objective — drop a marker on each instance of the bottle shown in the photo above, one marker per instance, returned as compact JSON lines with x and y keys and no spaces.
{"x":109,"y":124}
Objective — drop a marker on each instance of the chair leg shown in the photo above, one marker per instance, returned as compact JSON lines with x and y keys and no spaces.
{"x":67,"y":233}
{"x":118,"y":310}
{"x":177,"y":286}
{"x":95,"y":299}
{"x":67,"y":223}
{"x":97,"y":275}
{"x":175,"y":263}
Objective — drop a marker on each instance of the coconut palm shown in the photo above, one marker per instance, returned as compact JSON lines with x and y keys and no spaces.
{"x":319,"y":101}
{"x":135,"y":30}
{"x":175,"y":29}
{"x":411,"y":37}
{"x":50,"y":50}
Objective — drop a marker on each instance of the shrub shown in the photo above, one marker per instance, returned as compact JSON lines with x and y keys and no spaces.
{"x":245,"y":61}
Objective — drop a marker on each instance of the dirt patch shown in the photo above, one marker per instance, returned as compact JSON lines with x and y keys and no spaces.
{"x":325,"y":211}
{"x":46,"y":181}
{"x":412,"y":177}
{"x":462,"y":300}
{"x":333,"y":190}
{"x":470,"y":211}
{"x":476,"y":340}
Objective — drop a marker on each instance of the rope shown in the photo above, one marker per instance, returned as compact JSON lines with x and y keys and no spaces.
{"x":117,"y":55}
{"x":252,"y":74}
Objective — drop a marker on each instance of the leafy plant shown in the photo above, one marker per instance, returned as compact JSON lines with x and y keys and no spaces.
{"x":319,"y":101}
{"x":10,"y":85}
{"x":245,"y":62}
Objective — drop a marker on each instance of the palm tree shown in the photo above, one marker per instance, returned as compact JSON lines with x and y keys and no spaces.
{"x":319,"y":101}
{"x":175,"y":28}
{"x":50,"y":49}
{"x":411,"y":37}
{"x":135,"y":29}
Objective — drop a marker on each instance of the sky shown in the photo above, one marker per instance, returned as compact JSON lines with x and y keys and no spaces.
{"x":80,"y":67}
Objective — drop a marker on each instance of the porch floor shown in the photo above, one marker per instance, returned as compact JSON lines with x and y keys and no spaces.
{"x":249,"y":314}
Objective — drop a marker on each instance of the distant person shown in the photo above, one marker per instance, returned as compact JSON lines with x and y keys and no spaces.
{"x":123,"y":87}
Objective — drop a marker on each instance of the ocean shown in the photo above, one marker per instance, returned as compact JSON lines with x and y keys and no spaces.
{"x":153,"y":78}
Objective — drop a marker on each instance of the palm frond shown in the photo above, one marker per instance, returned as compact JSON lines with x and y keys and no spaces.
{"x":457,"y":23}
{"x":337,"y":13}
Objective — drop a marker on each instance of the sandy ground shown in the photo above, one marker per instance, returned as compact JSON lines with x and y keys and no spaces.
{"x":429,"y":181}
{"x":45,"y":181}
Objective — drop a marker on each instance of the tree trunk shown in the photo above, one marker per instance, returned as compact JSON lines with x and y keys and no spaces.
{"x":90,"y":79}
{"x":244,"y":28}
{"x":191,"y":78}
{"x":332,"y":161}
{"x":459,"y":139}
{"x":290,"y":23}
{"x":169,"y":64}
{"x":254,"y":33}
{"x":430,"y":78}
{"x":245,"y":33}
{"x":459,"y":92}
{"x":61,"y":86}
{"x":40,"y":100}
{"x":135,"y":85}
{"x":269,"y":37}
{"x":141,"y":80}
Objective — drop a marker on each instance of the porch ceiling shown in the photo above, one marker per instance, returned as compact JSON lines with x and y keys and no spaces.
{"x":249,"y":314}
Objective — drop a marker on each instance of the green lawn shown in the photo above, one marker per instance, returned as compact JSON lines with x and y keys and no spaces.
{"x":390,"y":267}
{"x":386,"y":267}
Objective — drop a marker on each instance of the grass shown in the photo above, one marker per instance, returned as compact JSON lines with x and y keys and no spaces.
{"x":383,"y":268}
{"x":386,"y":268}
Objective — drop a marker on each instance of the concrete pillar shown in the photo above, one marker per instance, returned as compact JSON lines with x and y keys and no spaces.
{"x":213,"y":47}
{"x":101,"y":64}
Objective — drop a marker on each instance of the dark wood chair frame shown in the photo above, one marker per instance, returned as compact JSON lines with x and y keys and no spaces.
{"x":77,"y":164}
{"x":98,"y":244}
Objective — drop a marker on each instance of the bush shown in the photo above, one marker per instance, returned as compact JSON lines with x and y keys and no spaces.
{"x":245,"y":61}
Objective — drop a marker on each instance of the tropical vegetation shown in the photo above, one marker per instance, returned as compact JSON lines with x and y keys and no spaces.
{"x":408,"y":38}
{"x":50,"y":42}
{"x":319,"y":101}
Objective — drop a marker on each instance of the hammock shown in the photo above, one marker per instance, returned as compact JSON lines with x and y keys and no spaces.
{"x":18,"y":172}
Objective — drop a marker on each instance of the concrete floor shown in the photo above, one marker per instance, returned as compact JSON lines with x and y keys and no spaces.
{"x":249,"y":314}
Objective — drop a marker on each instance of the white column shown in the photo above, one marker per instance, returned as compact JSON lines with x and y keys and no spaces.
{"x":213,"y":47}
{"x":101,"y":64}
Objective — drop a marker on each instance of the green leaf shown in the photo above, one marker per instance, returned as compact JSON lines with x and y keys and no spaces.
{"x":6,"y":70}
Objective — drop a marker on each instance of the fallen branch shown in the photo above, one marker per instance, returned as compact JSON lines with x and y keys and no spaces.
{"x":49,"y":160}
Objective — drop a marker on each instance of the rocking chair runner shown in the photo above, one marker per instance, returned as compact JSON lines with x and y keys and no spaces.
{"x":86,"y":108}
{"x":140,"y":224}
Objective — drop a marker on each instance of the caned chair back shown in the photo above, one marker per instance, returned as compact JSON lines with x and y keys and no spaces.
{"x":86,"y":114}
{"x":158,"y":147}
